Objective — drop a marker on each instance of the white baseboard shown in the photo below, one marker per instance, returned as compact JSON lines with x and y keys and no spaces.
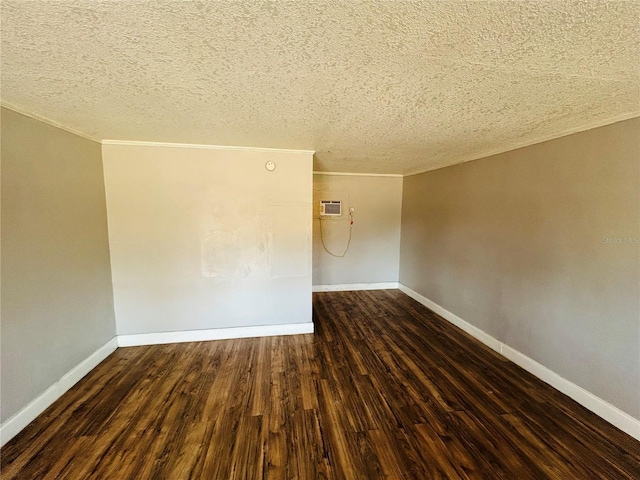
{"x":600,"y":407}
{"x":11,"y":427}
{"x":481,"y":335}
{"x":24,"y":417}
{"x":347,"y":287}
{"x":213,"y":334}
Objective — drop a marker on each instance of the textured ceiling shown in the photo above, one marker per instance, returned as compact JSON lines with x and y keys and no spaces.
{"x":375,"y":86}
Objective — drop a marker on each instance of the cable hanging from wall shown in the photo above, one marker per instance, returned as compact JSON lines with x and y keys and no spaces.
{"x":348,"y":241}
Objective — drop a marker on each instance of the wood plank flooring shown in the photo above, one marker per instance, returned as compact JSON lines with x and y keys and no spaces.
{"x":383,"y":389}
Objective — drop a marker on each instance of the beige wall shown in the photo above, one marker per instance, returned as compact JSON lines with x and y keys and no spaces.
{"x":374,"y":252}
{"x":57,"y":303}
{"x":539,"y":248}
{"x":208,"y":238}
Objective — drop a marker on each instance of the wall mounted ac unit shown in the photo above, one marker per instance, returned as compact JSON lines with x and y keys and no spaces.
{"x":330,"y":208}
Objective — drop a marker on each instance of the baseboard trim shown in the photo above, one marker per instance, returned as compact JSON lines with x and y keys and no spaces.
{"x":213,"y":334}
{"x":600,"y":407}
{"x":481,"y":335}
{"x":24,"y":417}
{"x":347,"y":287}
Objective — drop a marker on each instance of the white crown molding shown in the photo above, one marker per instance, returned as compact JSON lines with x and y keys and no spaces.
{"x":597,"y":405}
{"x":11,"y":427}
{"x":134,"y":143}
{"x":349,"y":287}
{"x":79,"y":133}
{"x":469,"y":158}
{"x":48,"y":121}
{"x":213,"y":334}
{"x":528,"y":143}
{"x":351,"y":174}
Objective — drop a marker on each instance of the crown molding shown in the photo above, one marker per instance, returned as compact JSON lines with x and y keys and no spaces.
{"x":465,"y":159}
{"x":53,"y":123}
{"x":48,"y":121}
{"x":353,"y":174}
{"x":528,"y":143}
{"x":134,"y":143}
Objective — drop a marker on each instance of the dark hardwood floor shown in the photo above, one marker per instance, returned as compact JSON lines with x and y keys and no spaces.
{"x":383,"y":389}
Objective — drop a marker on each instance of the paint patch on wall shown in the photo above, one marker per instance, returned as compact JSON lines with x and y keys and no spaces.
{"x":235,"y":241}
{"x":230,"y":254}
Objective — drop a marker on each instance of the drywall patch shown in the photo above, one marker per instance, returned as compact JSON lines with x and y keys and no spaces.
{"x":234,"y":254}
{"x":235,"y":241}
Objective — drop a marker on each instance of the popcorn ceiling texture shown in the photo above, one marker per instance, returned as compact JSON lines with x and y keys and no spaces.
{"x":377,"y":86}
